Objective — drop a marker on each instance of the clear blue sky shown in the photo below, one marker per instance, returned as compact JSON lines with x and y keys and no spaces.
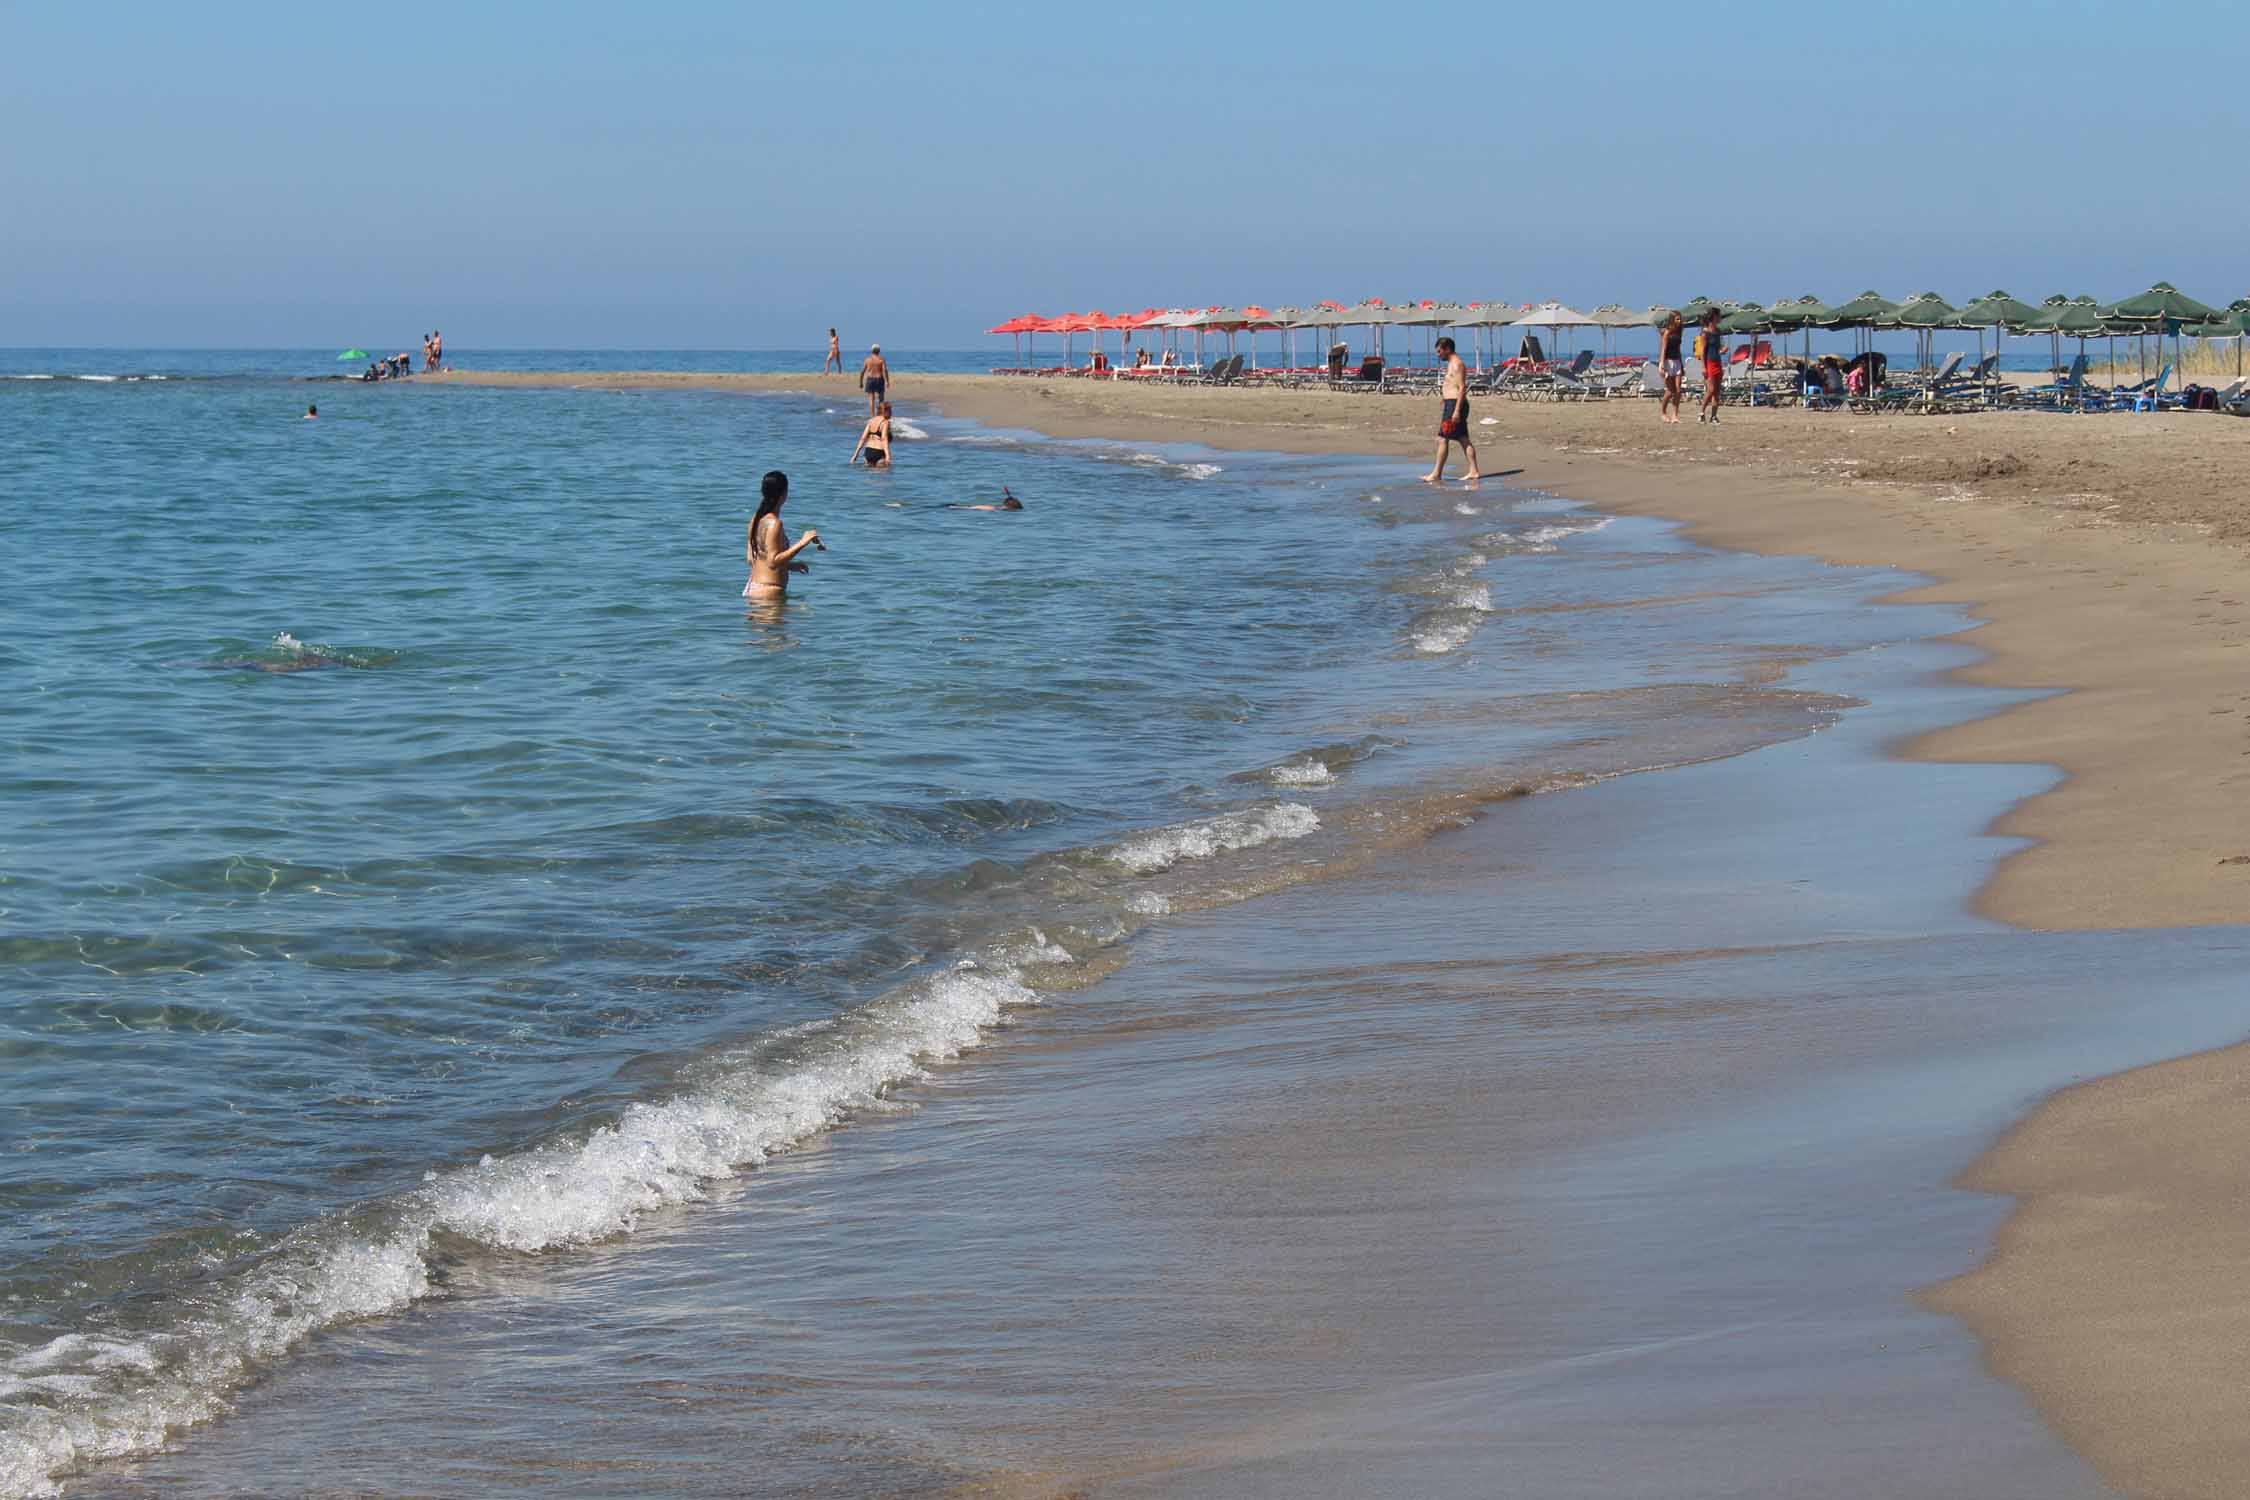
{"x":743,"y":175}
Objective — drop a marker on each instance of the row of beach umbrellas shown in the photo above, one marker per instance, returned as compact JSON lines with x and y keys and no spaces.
{"x":2162,"y":310}
{"x":1374,"y":314}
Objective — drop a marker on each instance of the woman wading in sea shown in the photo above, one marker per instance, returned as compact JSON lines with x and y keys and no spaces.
{"x":771,"y":556}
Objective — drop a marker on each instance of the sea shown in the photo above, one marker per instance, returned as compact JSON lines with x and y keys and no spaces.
{"x":433,"y":900}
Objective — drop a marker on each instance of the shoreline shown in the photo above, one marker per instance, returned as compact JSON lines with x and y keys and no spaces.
{"x":2130,"y":609}
{"x":2133,"y":622}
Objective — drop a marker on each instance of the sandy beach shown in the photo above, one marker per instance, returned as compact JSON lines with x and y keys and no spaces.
{"x":2107,"y":557}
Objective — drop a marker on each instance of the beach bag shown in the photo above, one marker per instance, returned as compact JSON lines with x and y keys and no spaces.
{"x":1699,"y":346}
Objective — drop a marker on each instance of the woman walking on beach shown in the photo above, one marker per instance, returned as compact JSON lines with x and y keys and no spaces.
{"x":771,"y":555}
{"x":835,"y":360}
{"x":1672,"y":367}
{"x":875,"y":439}
{"x":1713,"y":350}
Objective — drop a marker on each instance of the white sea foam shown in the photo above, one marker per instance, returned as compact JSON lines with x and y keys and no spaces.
{"x":1162,"y":848}
{"x":1447,"y":635}
{"x":1540,"y":536}
{"x":1476,"y":596}
{"x":120,"y":1398}
{"x":1464,"y":508}
{"x":103,"y":378}
{"x":1191,"y":470}
{"x":1303,"y":773}
{"x":1149,"y":904}
{"x":906,"y":429}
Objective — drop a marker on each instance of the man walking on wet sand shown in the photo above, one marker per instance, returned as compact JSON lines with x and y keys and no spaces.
{"x":1453,"y":417}
{"x":874,"y":377}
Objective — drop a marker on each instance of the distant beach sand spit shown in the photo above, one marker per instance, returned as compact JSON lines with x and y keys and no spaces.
{"x":2110,"y":558}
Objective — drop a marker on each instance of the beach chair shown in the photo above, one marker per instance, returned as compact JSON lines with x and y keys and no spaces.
{"x":1652,"y":381}
{"x":1564,"y":383}
{"x":2066,"y":393}
{"x":2144,"y":395}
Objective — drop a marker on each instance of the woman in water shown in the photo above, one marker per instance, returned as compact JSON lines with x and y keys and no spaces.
{"x":875,"y":439}
{"x":771,"y":555}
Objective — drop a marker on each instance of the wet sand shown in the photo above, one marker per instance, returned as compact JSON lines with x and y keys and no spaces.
{"x":2107,"y":556}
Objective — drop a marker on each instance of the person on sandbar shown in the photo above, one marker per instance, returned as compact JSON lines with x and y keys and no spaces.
{"x":770,"y":553}
{"x":874,"y":377}
{"x":875,"y":439}
{"x":1453,"y":417}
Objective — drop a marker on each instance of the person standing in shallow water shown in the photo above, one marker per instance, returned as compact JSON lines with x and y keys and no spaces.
{"x":875,"y":439}
{"x":835,"y":360}
{"x":1453,"y":417}
{"x":770,"y":553}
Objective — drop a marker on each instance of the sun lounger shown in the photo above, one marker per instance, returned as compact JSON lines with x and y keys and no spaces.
{"x":2069,"y":392}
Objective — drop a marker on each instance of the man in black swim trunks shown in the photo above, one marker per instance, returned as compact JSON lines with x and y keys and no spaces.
{"x":1453,"y":419}
{"x":874,"y":375}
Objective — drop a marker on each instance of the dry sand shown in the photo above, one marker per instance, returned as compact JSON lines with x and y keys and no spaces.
{"x":2111,"y":557}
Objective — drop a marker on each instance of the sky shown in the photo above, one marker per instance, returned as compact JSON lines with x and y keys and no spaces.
{"x":692,"y":175}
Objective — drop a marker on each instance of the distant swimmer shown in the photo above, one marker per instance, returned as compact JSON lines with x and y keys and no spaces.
{"x":1453,"y":419}
{"x":875,"y":439}
{"x":771,"y":555}
{"x":1007,"y":502}
{"x":874,"y":377}
{"x":311,"y":412}
{"x":835,"y":359}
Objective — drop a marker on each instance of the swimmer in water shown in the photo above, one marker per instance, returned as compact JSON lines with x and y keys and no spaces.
{"x":1007,"y":502}
{"x":771,"y":555}
{"x":311,"y":413}
{"x":875,"y":439}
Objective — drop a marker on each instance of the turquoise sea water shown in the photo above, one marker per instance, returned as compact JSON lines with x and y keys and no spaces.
{"x":412,"y":847}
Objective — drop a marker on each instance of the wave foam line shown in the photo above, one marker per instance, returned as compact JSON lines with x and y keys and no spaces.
{"x":78,"y":1399}
{"x":1165,"y":847}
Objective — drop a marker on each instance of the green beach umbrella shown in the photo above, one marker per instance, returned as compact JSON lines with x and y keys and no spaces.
{"x":353,"y":354}
{"x":1925,"y":313}
{"x":2233,"y":323}
{"x":1995,"y":310}
{"x":1861,"y":312}
{"x":2163,"y":303}
{"x":1747,"y":317}
{"x":2161,"y":310}
{"x":1695,"y":307}
{"x":1806,"y":312}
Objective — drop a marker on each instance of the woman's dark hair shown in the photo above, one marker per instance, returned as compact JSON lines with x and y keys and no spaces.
{"x":772,"y":490}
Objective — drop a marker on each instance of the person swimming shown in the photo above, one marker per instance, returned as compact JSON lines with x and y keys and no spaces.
{"x":771,"y":555}
{"x":1007,"y":502}
{"x":875,"y":439}
{"x":311,"y":413}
